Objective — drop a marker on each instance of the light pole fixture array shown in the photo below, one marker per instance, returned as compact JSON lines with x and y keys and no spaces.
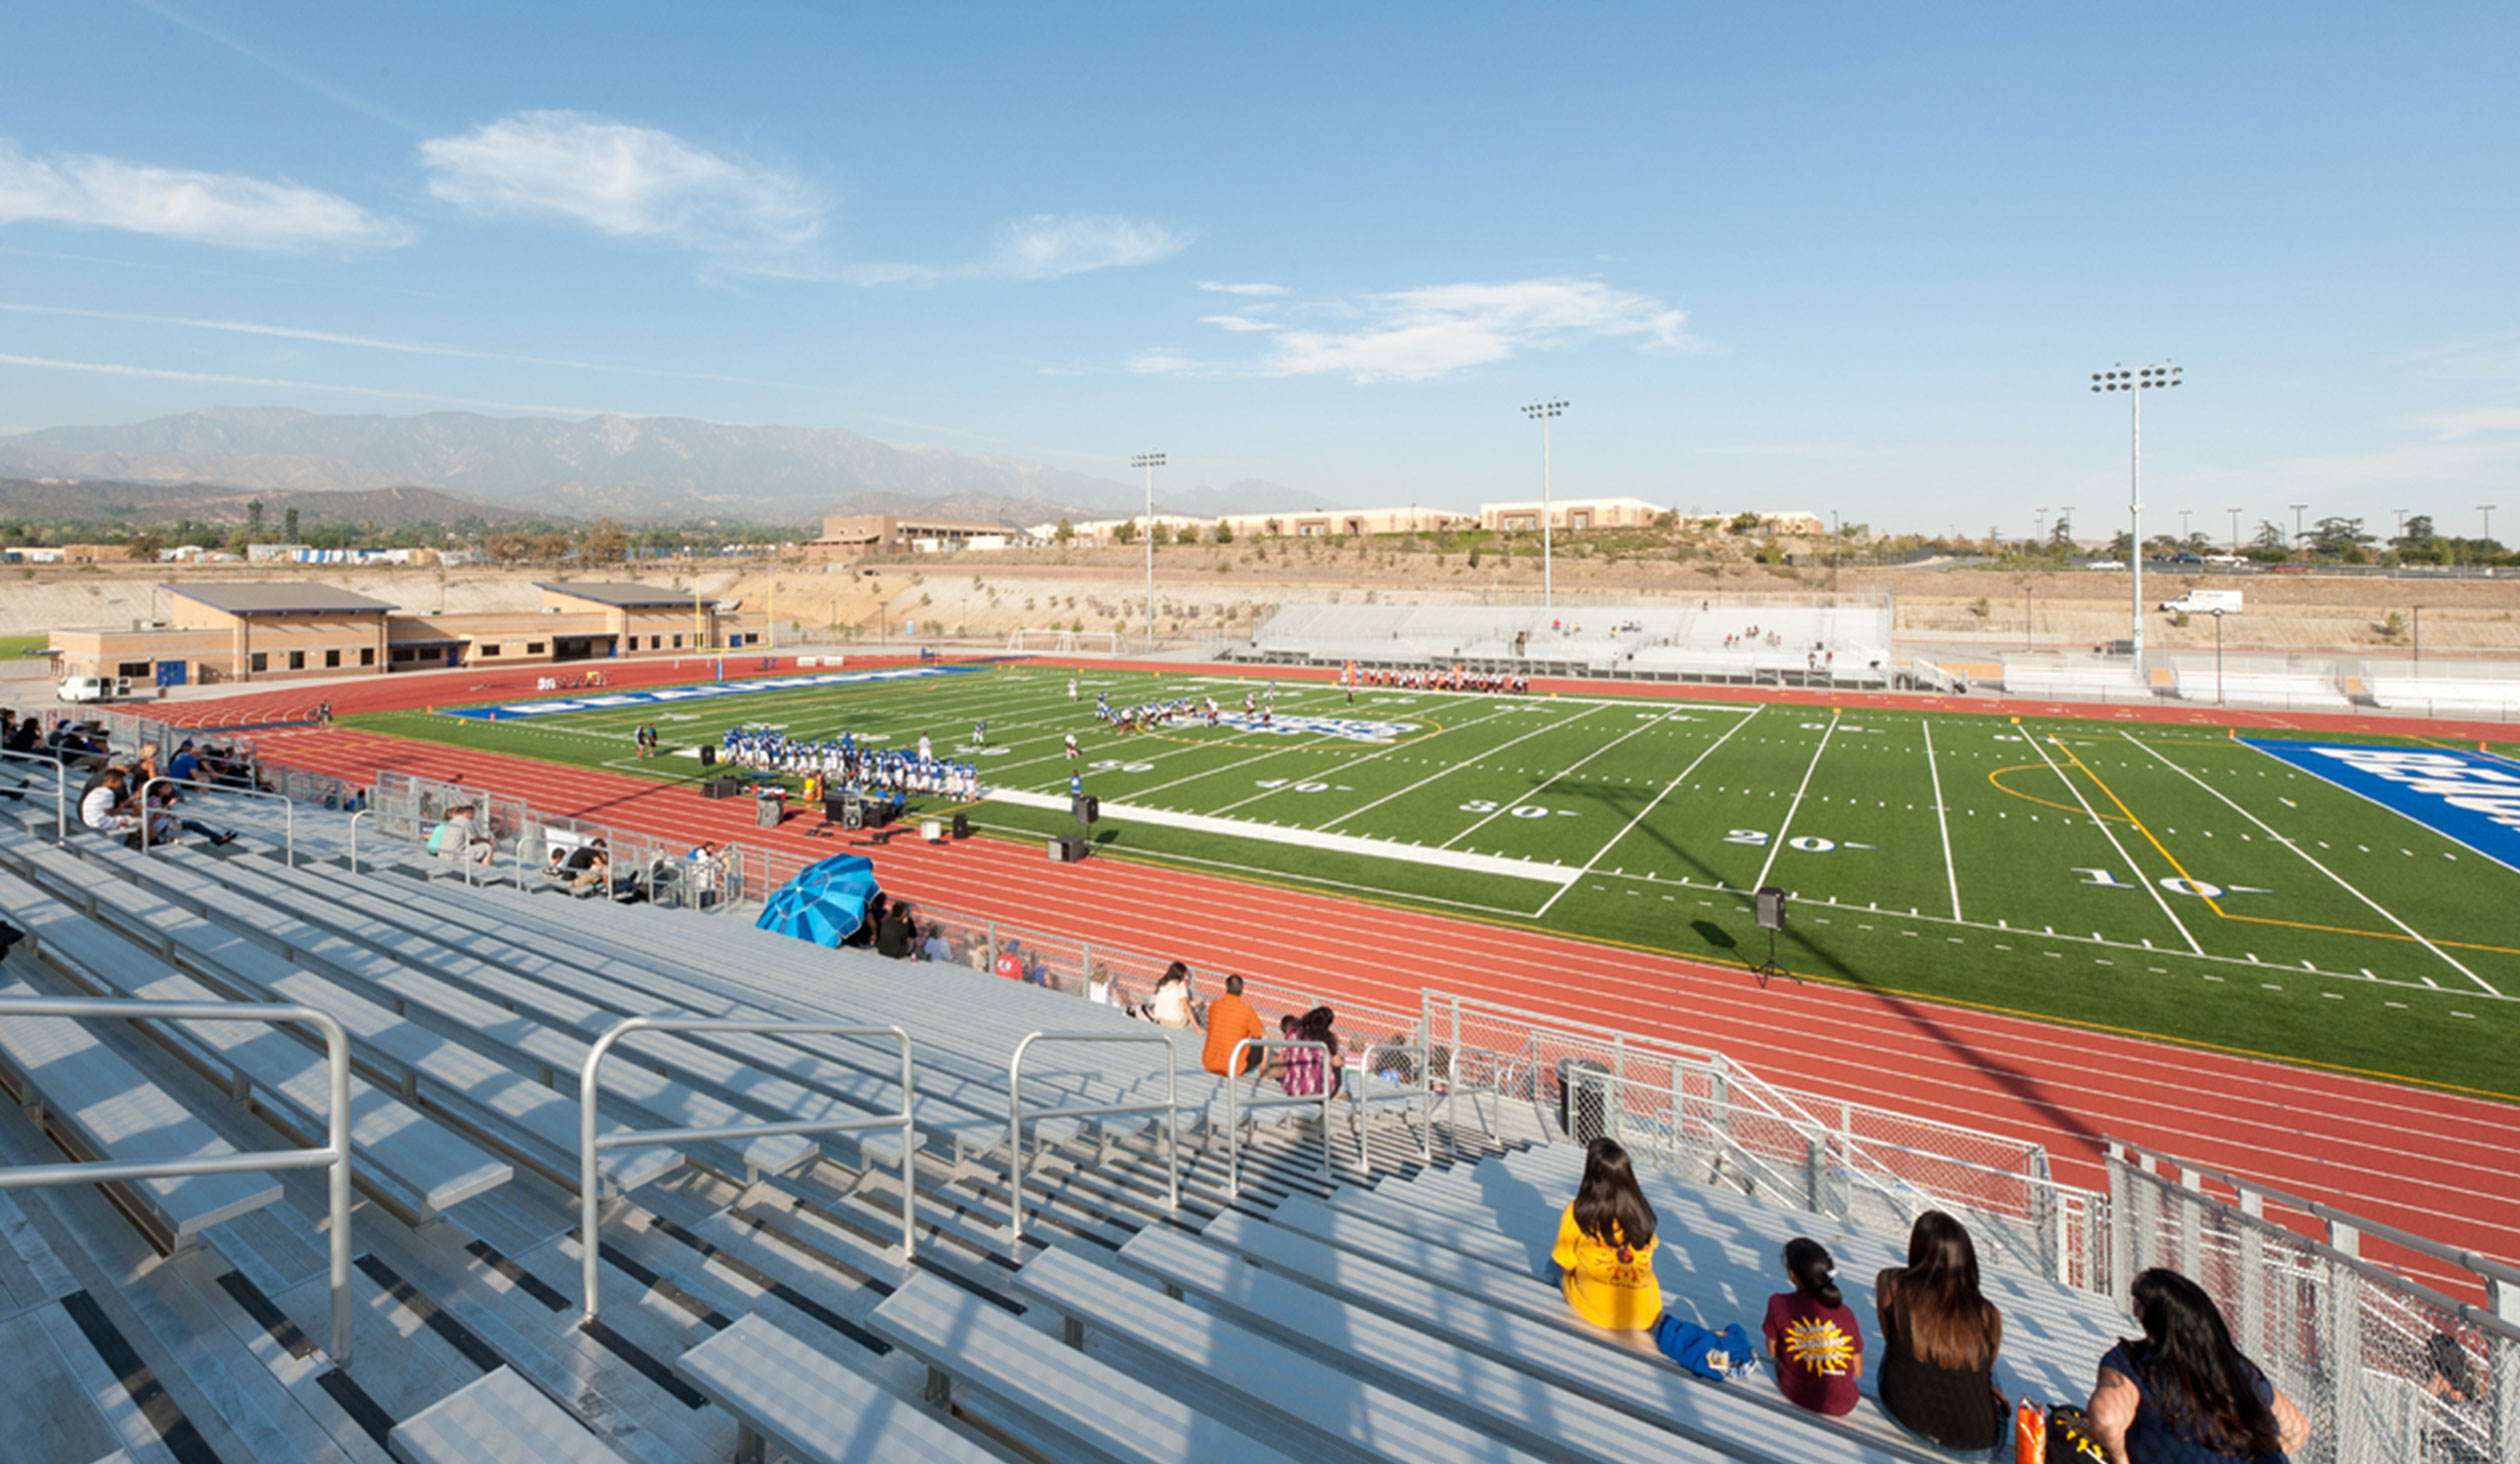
{"x":1541,"y":412}
{"x":1149,"y":461}
{"x":2135,"y":383}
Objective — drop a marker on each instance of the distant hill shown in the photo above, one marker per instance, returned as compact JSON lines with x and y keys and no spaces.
{"x":61,"y":500}
{"x":632,"y":468}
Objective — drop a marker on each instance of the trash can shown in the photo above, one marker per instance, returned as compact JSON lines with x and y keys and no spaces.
{"x":1583,"y":1099}
{"x":769,"y":806}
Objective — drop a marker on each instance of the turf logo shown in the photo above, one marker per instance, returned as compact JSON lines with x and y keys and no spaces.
{"x":1352,"y":729}
{"x":2470,"y":797}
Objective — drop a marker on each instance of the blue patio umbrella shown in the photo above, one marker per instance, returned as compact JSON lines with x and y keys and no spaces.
{"x":825,"y":902}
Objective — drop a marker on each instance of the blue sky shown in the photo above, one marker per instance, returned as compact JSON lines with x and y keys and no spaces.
{"x":1853,"y":258}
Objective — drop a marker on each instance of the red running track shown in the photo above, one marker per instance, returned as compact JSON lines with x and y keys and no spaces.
{"x":2440,"y":1164}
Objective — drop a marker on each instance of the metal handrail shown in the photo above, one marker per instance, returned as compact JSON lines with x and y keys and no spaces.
{"x":354,"y":838}
{"x":1234,"y":1106}
{"x":288,"y":809}
{"x":2502,"y":1279}
{"x":61,"y":788}
{"x":590,"y":1220}
{"x":1420,"y":1094}
{"x":1015,"y":1116}
{"x":335,"y":1155}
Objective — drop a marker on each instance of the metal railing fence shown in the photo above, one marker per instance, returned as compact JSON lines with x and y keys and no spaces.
{"x":149,"y":816}
{"x":1016,"y":1113}
{"x":1696,"y":1110}
{"x":334,"y":1156}
{"x":2386,"y":1369}
{"x":61,"y":786}
{"x":590,"y":1182}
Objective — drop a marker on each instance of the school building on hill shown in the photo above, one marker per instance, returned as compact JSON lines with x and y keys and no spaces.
{"x":270,"y":632}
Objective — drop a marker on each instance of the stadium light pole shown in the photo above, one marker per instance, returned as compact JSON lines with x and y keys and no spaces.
{"x":2038,"y":526}
{"x":2487,"y":510}
{"x":2235,"y":531}
{"x":1541,"y":412}
{"x":2183,"y":529}
{"x":2135,"y":383}
{"x":2296,"y":508}
{"x":1150,"y":461}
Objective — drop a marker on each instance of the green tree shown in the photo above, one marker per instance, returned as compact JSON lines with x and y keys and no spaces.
{"x":1743,"y":522}
{"x":1064,"y":532}
{"x":2270,"y":535}
{"x":254,"y":519}
{"x":603,"y":543}
{"x":289,"y":525}
{"x":1224,"y":532}
{"x":144,"y":547}
{"x":1124,"y":532}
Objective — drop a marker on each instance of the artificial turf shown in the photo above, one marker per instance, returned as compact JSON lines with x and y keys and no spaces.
{"x":2163,"y":880}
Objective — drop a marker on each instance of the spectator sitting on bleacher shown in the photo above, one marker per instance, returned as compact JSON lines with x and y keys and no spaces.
{"x":1939,"y":1337}
{"x":1172,"y":1006}
{"x":894,"y":935}
{"x":1231,"y":1020}
{"x":100,"y":807}
{"x":1099,"y":988}
{"x":459,"y":839}
{"x":2182,"y":1393}
{"x":164,"y":824}
{"x":1813,"y":1335}
{"x":1605,"y":1245}
{"x":939,"y":946}
{"x":1010,"y":961}
{"x":185,"y":767}
{"x":22,"y":734}
{"x":589,"y":866}
{"x":1303,"y":1072}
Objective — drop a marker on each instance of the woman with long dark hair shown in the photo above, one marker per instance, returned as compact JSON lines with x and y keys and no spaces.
{"x":1605,"y":1244}
{"x":1813,"y":1335}
{"x":1939,"y":1337}
{"x":2183,"y":1393}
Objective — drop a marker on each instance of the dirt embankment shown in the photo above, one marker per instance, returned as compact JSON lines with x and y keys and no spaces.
{"x":1227,"y":590}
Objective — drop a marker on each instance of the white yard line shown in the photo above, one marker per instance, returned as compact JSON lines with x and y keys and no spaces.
{"x":1950,"y":871}
{"x":1650,"y":806}
{"x":2103,"y":826}
{"x":1369,"y":757}
{"x":1505,"y":805}
{"x":1448,"y":771}
{"x":2307,"y":858}
{"x":1778,"y":843}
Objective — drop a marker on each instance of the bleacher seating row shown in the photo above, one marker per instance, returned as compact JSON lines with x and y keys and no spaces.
{"x":468,"y":1010}
{"x":1842,"y":643}
{"x":2438,"y":696}
{"x":2293,"y":691}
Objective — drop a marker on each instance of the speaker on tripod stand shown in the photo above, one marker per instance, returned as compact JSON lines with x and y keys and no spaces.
{"x":1769,"y":906}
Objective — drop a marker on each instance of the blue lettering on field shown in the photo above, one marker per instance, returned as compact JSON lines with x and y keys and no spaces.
{"x":1353,"y":729}
{"x":2471,"y":797}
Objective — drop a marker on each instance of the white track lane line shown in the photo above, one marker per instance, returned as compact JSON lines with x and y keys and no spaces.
{"x":1950,"y":871}
{"x":1656,"y":802}
{"x":1778,"y":842}
{"x":2382,"y":910}
{"x":1448,"y":771}
{"x":2103,"y":826}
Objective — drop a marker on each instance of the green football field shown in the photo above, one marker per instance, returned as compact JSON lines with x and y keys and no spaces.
{"x":2164,"y":880}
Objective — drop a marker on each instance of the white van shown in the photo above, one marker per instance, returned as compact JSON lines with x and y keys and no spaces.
{"x":85,"y":689}
{"x":2205,"y":602}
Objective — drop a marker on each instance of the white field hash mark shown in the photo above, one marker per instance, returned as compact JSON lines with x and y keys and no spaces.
{"x":2103,"y":826}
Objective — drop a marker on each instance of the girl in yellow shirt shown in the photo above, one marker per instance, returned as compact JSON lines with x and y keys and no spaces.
{"x":1605,"y":1245}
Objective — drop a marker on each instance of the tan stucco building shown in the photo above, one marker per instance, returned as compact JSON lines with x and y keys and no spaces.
{"x":259,"y":632}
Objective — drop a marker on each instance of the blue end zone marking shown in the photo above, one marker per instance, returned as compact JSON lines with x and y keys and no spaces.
{"x":2471,"y":797}
{"x":664,"y":696}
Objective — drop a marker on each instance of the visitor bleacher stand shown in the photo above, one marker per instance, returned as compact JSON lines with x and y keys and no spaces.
{"x":2089,"y":681}
{"x":1376,"y":1290}
{"x":1776,"y":640}
{"x":2482,"y":690}
{"x":2276,"y":683}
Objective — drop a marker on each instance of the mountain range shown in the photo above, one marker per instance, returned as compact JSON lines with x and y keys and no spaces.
{"x":631,"y":468}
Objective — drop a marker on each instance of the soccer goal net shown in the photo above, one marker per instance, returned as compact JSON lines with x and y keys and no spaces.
{"x":1056,"y":642}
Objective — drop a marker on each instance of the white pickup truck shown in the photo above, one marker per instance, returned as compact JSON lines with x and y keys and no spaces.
{"x":2205,"y":602}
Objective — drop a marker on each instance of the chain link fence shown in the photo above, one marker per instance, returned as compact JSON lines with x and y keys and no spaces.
{"x":2388,"y":1370}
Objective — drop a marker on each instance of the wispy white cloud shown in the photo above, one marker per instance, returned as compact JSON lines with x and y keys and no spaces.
{"x":229,"y":209}
{"x":1417,"y":335}
{"x":375,"y":343}
{"x":1042,"y":247}
{"x":1219,"y":287}
{"x":623,"y":180}
{"x":165,"y":373}
{"x":322,"y":87}
{"x":2480,"y":422}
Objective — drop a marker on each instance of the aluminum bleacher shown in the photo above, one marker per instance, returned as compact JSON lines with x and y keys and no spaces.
{"x":1365,"y":1295}
{"x":1843,"y":643}
{"x":2302,"y":689}
{"x":2073,"y":681}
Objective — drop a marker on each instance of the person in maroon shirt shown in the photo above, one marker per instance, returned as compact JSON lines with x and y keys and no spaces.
{"x":1813,"y":1335}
